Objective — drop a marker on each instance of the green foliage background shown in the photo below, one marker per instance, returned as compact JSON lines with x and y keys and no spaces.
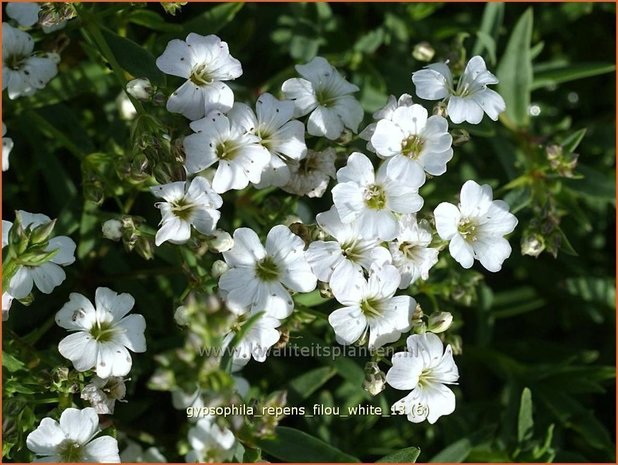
{"x":537,"y":369}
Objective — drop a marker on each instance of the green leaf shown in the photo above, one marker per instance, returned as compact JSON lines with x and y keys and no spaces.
{"x":591,"y":289}
{"x":307,"y":383}
{"x":489,"y":44}
{"x":594,"y":183}
{"x":310,"y":299}
{"x":292,"y":445}
{"x":487,"y":35}
{"x":152,"y":20}
{"x":572,"y":141}
{"x":133,"y":58}
{"x":515,"y":71}
{"x":370,"y":42}
{"x":213,"y":20}
{"x":407,"y":455}
{"x":565,"y":73}
{"x":456,"y":452}
{"x":11,"y":363}
{"x":525,"y":422}
{"x":226,"y":359}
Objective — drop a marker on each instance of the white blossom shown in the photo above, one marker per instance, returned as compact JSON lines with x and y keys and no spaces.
{"x":373,"y":199}
{"x":7,"y":146}
{"x":425,"y":369}
{"x":135,"y":453}
{"x":372,"y":305}
{"x":410,"y":250}
{"x":72,"y":439}
{"x":103,"y":393}
{"x":205,"y":62}
{"x":475,"y":227}
{"x":256,"y":342}
{"x":260,"y":276}
{"x":310,"y":176}
{"x":7,"y":301}
{"x":209,"y":442}
{"x":239,"y":155}
{"x":23,"y":73}
{"x":187,"y":204}
{"x":25,"y":13}
{"x":386,"y":112}
{"x":324,"y":93}
{"x":101,"y":334}
{"x":112,"y":229}
{"x":469,"y":99}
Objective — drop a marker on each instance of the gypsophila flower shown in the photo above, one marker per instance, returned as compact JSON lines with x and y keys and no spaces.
{"x":187,"y":204}
{"x":338,"y":262}
{"x":324,"y":93}
{"x":282,"y":136}
{"x":372,"y":305}
{"x":102,"y":334}
{"x":7,"y":146}
{"x":205,"y":62}
{"x":410,"y":250}
{"x":469,"y":99}
{"x":22,"y":72}
{"x":310,"y":176}
{"x":217,"y":139}
{"x":134,"y":453}
{"x":260,"y":337}
{"x":411,"y":141}
{"x":210,"y":442}
{"x":425,"y":368}
{"x":103,"y":393}
{"x":72,"y":439}
{"x":386,"y":112}
{"x":260,"y":276}
{"x":374,"y":199}
{"x":25,"y":13}
{"x":475,"y":228}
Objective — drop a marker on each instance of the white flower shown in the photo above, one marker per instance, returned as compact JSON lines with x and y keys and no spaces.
{"x":372,"y":304}
{"x":241,"y":159}
{"x":112,"y":229}
{"x":140,"y":88}
{"x":469,"y":99}
{"x":186,"y":204}
{"x":476,"y":227}
{"x":310,"y":175}
{"x":7,"y":301}
{"x":259,"y":277}
{"x":22,"y":72}
{"x":338,"y":262}
{"x":424,"y":369}
{"x":205,"y":62}
{"x":103,"y":393}
{"x":7,"y":146}
{"x":386,"y":112}
{"x":72,"y":439}
{"x":327,"y":96}
{"x":283,"y":137}
{"x":101,"y":335}
{"x":260,"y":337}
{"x":25,"y":13}
{"x":126,"y":109}
{"x":412,"y":141}
{"x":411,"y":254}
{"x":134,"y":453}
{"x":210,"y":442}
{"x":373,"y":199}
{"x":48,"y":275}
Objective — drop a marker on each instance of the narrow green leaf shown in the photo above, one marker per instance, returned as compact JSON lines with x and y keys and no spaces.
{"x":456,"y":452}
{"x":307,"y":383}
{"x":525,"y":422}
{"x":566,"y":73}
{"x":292,"y":445}
{"x":572,"y":141}
{"x":10,"y":363}
{"x":227,"y":358}
{"x":493,"y":15}
{"x":594,"y":183}
{"x":213,"y":20}
{"x":310,"y":299}
{"x":515,"y":71}
{"x":592,"y":289}
{"x":407,"y":455}
{"x":152,"y":20}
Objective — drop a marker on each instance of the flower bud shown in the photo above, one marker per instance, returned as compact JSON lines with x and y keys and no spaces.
{"x":375,"y":380}
{"x":423,"y":51}
{"x":181,"y":316}
{"x":532,"y":244}
{"x":41,"y":233}
{"x":439,"y":322}
{"x":439,"y":109}
{"x":140,"y":88}
{"x":112,"y":229}
{"x":218,"y":268}
{"x":221,"y":241}
{"x":460,"y":136}
{"x":125,"y":107}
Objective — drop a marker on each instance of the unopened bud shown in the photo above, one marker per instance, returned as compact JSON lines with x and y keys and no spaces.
{"x":460,"y":136}
{"x":181,"y":316}
{"x":218,"y":268}
{"x":375,"y":380}
{"x":112,"y":229}
{"x":532,"y":244}
{"x":325,"y":290}
{"x":439,"y":109}
{"x":221,"y":241}
{"x":140,"y":88}
{"x":42,"y":232}
{"x":423,"y":51}
{"x":439,"y":322}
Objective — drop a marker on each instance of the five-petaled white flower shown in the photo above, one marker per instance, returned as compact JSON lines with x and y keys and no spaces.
{"x":412,"y":141}
{"x":240,"y":156}
{"x":475,"y":228}
{"x":47,"y":275}
{"x":102,"y":334}
{"x":282,"y":136}
{"x":260,"y":276}
{"x":469,"y":99}
{"x":425,"y":369}
{"x":186,"y":204}
{"x":373,"y":199}
{"x":386,"y":112}
{"x":205,"y":62}
{"x":260,"y":337}
{"x":7,"y":146}
{"x":210,"y":442}
{"x":324,"y":93}
{"x":338,"y":262}
{"x":310,"y":176}
{"x":25,"y":13}
{"x":410,"y":250}
{"x":22,"y":72}
{"x":72,"y":439}
{"x":372,"y":304}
